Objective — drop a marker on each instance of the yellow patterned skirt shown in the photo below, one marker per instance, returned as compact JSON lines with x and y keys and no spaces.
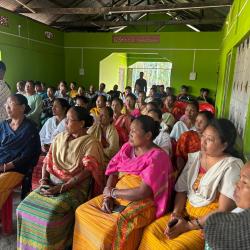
{"x":7,"y":182}
{"x":95,"y":229}
{"x":154,"y":238}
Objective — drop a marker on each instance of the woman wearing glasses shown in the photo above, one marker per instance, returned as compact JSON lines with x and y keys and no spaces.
{"x":19,"y":145}
{"x":45,"y":218}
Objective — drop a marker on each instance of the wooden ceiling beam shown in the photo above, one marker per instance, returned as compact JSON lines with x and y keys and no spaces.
{"x":133,"y":9}
{"x":24,"y":5}
{"x":57,"y":17}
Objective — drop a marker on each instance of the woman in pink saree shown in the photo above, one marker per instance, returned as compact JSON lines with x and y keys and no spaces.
{"x":138,"y":190}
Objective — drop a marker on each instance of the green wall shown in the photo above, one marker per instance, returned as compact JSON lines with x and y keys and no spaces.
{"x":29,"y":55}
{"x":113,"y":63}
{"x":94,"y":47}
{"x":236,"y":28}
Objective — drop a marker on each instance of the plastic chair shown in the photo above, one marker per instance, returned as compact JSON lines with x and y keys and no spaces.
{"x":6,"y":214}
{"x":204,"y":106}
{"x":181,"y":104}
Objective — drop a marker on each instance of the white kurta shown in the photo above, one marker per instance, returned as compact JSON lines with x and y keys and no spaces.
{"x":50,"y":129}
{"x":163,"y":139}
{"x":178,"y":129}
{"x":221,"y":178}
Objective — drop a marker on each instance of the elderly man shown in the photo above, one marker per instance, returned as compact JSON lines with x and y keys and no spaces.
{"x":4,"y":92}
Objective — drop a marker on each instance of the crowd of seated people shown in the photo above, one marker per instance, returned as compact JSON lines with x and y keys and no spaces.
{"x":131,"y":173}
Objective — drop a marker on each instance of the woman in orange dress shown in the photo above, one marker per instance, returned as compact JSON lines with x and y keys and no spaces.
{"x":190,"y":141}
{"x":134,"y":195}
{"x":205,"y":186}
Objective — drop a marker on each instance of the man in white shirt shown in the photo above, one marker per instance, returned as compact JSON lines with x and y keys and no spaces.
{"x":4,"y":92}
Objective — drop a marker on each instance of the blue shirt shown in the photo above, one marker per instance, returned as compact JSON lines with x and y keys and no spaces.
{"x":21,"y":147}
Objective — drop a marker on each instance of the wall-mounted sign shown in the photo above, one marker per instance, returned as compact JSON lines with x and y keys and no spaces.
{"x":49,"y":35}
{"x":136,"y":38}
{"x":4,"y":21}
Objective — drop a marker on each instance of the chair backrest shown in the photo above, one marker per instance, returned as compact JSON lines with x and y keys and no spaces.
{"x":205,"y":106}
{"x":26,"y":184}
{"x":181,"y":104}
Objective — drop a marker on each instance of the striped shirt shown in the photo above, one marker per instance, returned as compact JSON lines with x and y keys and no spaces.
{"x":4,"y":94}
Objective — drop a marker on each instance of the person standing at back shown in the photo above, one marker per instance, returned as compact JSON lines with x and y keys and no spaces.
{"x":141,"y":83}
{"x":4,"y":92}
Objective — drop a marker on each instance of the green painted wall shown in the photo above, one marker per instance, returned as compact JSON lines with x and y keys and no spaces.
{"x":29,"y":55}
{"x":236,"y":28}
{"x":178,"y":47}
{"x":113,"y":63}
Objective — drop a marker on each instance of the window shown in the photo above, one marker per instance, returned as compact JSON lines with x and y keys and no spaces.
{"x":156,"y":73}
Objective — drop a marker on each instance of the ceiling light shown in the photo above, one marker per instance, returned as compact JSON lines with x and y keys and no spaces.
{"x":123,"y":27}
{"x":142,"y":16}
{"x":193,"y":28}
{"x":144,"y":53}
